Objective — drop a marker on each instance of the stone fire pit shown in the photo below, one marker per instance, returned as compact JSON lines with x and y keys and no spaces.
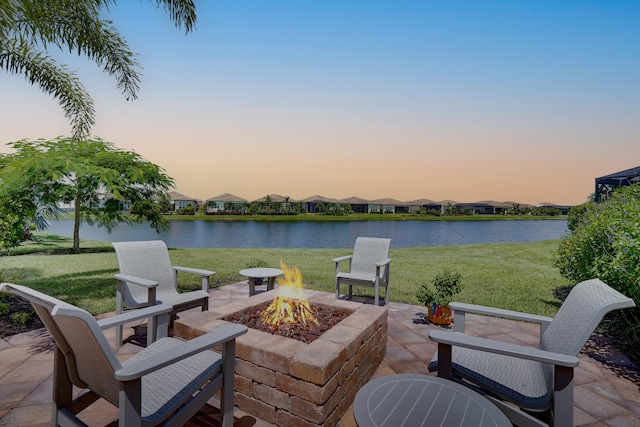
{"x":289,"y":383}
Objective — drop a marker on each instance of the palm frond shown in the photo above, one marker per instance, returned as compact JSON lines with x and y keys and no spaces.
{"x":76,"y":26}
{"x":19,"y":57}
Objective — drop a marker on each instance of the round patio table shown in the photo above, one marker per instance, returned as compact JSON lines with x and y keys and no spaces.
{"x":423,"y":400}
{"x":261,"y":273}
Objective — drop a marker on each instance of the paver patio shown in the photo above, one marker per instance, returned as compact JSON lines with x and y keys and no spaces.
{"x":606,"y":393}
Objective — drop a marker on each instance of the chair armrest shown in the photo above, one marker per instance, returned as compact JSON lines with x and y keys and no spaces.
{"x":383,"y":262}
{"x":136,"y":280}
{"x":131,"y":315}
{"x":498,"y":312}
{"x":188,"y":348}
{"x":342,"y":258}
{"x":498,"y":347}
{"x":205,"y":274}
{"x":194,"y":271}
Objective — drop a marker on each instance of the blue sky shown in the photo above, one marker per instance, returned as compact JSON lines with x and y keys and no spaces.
{"x":525,"y":101}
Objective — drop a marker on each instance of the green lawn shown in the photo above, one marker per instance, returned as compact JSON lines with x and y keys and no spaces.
{"x":517,"y":276}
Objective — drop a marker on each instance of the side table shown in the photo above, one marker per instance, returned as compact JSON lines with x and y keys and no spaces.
{"x":261,"y":273}
{"x":414,"y":400}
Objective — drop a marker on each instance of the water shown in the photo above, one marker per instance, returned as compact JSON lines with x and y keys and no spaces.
{"x":305,"y":234}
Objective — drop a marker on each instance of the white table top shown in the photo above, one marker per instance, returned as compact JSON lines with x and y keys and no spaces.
{"x":261,"y":272}
{"x":423,"y":400}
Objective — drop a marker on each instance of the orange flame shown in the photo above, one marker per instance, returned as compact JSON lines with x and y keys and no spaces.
{"x":290,"y":306}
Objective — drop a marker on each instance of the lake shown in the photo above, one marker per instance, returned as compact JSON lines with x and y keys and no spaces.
{"x":307,"y":234}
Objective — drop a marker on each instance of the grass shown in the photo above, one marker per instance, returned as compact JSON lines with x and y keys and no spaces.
{"x":517,"y":276}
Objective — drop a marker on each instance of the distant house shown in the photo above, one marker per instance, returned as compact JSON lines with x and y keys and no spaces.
{"x":415,"y":205}
{"x":222,"y":202}
{"x":180,"y":201}
{"x":564,"y":209}
{"x":312,"y":204}
{"x":277,"y":204}
{"x":485,"y":207}
{"x":387,"y":206}
{"x":358,"y":205}
{"x":273,"y":202}
{"x":444,"y":205}
{"x":606,"y":184}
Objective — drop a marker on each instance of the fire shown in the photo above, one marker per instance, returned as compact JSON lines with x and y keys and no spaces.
{"x":290,"y":306}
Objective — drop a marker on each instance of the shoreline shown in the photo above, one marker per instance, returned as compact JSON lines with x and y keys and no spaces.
{"x":358,"y":217}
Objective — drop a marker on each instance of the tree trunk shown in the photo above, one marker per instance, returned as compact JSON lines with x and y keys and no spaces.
{"x":76,"y":226}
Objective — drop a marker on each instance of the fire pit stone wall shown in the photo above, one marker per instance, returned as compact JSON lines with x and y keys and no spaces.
{"x":289,"y":383}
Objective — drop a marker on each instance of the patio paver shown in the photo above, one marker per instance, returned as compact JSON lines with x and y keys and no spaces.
{"x":604,"y":395}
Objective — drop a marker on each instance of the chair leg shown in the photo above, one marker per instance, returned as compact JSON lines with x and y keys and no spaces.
{"x":119,"y":309}
{"x":377,"y":290}
{"x":130,"y":402}
{"x":445,"y":361}
{"x":162,"y":327}
{"x":226,"y":396}
{"x":152,"y":330}
{"x":62,"y":387}
{"x":376,"y":299}
{"x":563,"y":396}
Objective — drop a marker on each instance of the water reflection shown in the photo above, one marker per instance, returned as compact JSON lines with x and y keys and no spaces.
{"x":303,"y":234}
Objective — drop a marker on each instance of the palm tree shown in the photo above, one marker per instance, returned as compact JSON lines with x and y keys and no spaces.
{"x":29,"y":27}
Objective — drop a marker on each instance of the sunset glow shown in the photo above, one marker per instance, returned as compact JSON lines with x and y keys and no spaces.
{"x":468,"y":101}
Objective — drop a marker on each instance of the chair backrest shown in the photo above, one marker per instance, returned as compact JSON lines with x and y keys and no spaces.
{"x":366,"y":252}
{"x":580,"y":314}
{"x":89,"y":359}
{"x":148,"y":260}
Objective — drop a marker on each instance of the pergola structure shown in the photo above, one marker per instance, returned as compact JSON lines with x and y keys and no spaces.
{"x":606,"y":184}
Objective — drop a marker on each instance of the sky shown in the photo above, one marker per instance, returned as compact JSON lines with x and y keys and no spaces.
{"x":525,"y":101}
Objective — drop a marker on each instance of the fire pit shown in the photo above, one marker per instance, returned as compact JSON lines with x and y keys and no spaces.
{"x":327,"y":317}
{"x":288,"y":382}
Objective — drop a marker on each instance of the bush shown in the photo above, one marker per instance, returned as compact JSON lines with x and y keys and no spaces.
{"x":187,"y":210}
{"x":257,"y":263}
{"x":446,"y":284}
{"x":576,"y":215}
{"x":604,"y":242}
{"x":20,"y":317}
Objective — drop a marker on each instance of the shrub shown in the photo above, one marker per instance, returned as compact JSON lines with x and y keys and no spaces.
{"x":21,"y":317}
{"x":576,"y":215}
{"x":604,"y":242}
{"x":257,"y":263}
{"x":4,"y":308}
{"x":446,"y":284}
{"x":187,"y":210}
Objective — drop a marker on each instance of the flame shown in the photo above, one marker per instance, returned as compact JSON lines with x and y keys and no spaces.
{"x":290,"y":306}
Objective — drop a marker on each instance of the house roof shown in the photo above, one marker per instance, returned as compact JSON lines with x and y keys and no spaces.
{"x":318,"y":198}
{"x":227,"y":197}
{"x":510,"y":203}
{"x":174,"y":195}
{"x":619,"y":178}
{"x":388,"y":201}
{"x":493,"y":203}
{"x":420,"y":202}
{"x":354,"y":200}
{"x":447,"y":202}
{"x":273,"y":197}
{"x":616,"y":179}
